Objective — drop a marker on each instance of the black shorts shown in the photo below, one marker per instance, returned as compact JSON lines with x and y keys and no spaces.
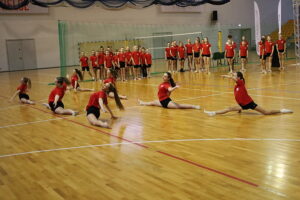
{"x":196,"y":54}
{"x":208,"y":55}
{"x":96,"y":68}
{"x":262,"y":57}
{"x":93,"y":110}
{"x":250,"y":105}
{"x":59,"y":104}
{"x":229,"y":57}
{"x":190,"y":54}
{"x":148,"y":66}
{"x":23,"y":96}
{"x":164,"y":103}
{"x":122,"y":64}
{"x":129,"y":64}
{"x":243,"y":56}
{"x":173,"y":58}
{"x":268,"y":55}
{"x":136,"y":66}
{"x":101,"y":66}
{"x":85,"y":68}
{"x":281,"y":51}
{"x":181,"y":59}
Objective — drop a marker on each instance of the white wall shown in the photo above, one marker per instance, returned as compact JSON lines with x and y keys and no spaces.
{"x":43,"y":28}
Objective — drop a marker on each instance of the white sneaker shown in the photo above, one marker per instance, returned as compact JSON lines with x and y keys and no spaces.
{"x":197,"y":107}
{"x":210,"y":113}
{"x":75,"y":113}
{"x":286,"y":111}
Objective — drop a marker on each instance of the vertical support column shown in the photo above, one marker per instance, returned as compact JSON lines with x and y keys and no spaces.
{"x":62,"y":47}
{"x":296,"y":7}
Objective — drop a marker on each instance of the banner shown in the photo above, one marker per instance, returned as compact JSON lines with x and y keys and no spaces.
{"x":257,"y":26}
{"x":279,"y":16}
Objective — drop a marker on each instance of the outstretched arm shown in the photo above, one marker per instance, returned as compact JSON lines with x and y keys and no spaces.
{"x":171,"y":89}
{"x":15,"y":94}
{"x":109,"y":110}
{"x":229,"y":77}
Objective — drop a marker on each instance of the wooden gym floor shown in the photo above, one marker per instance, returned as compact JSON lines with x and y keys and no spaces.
{"x":151,"y":152}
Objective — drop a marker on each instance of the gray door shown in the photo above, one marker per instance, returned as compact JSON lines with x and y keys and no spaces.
{"x":160,"y":43}
{"x":21,"y":54}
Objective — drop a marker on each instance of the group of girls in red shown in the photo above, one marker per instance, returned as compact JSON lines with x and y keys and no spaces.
{"x":136,"y":63}
{"x":266,"y":51}
{"x":198,"y":55}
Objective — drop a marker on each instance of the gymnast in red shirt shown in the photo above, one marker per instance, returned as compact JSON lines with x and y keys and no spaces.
{"x":148,"y":62}
{"x":84,"y":63}
{"x":281,"y":48}
{"x":22,"y":91}
{"x":77,"y":75}
{"x":269,"y":49}
{"x":164,"y":91}
{"x":112,"y":76}
{"x":181,"y":56}
{"x":55,"y":98}
{"x":168,"y":57}
{"x":94,"y":63}
{"x":229,"y":54}
{"x":206,"y":54}
{"x":243,"y":100}
{"x":97,"y":101}
{"x":262,"y":53}
{"x":243,"y":54}
{"x":189,"y":52}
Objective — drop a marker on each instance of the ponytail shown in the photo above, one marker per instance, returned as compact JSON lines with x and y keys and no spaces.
{"x":172,"y":82}
{"x":27,"y":81}
{"x":78,"y":72}
{"x":116,"y":96}
{"x":114,"y":73}
{"x":62,"y":80}
{"x":241,"y":76}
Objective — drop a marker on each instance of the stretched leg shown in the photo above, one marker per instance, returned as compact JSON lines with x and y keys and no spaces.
{"x":62,"y":111}
{"x":272,"y":112}
{"x":95,"y":73}
{"x":151,"y":103}
{"x":84,"y":89}
{"x":91,"y":75}
{"x":174,"y":105}
{"x":270,"y":64}
{"x":27,"y":101}
{"x":149,"y":71}
{"x":111,"y":95}
{"x":96,"y":122}
{"x":219,"y":112}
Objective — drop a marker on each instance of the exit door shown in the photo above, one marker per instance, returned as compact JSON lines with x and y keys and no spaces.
{"x":21,"y":54}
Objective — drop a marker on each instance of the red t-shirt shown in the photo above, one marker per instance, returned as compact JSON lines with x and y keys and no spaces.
{"x":181,"y":52}
{"x":163,"y":92}
{"x":148,"y":58}
{"x":246,"y":43}
{"x":261,"y":48}
{"x":205,"y":48}
{"x":22,"y":88}
{"x":143,"y":58}
{"x":115,"y":59}
{"x":94,"y":61}
{"x":128,"y":57}
{"x":197,"y":48}
{"x":110,"y":80}
{"x":101,"y":58}
{"x":136,"y":56}
{"x":268,"y":46}
{"x":243,"y":50}
{"x":229,"y":50}
{"x":234,"y":45}
{"x":94,"y":99}
{"x":280,"y":44}
{"x":189,"y":48}
{"x":74,"y":78}
{"x":108,"y":61}
{"x":122,"y":57}
{"x":173,"y":51}
{"x":167,"y":52}
{"x":57,"y":91}
{"x":84,"y":61}
{"x":241,"y":94}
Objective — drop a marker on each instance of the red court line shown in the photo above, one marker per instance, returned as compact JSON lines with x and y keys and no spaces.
{"x":208,"y":168}
{"x":161,"y":152}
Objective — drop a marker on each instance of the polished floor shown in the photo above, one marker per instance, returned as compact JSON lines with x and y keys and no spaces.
{"x":150,"y":152}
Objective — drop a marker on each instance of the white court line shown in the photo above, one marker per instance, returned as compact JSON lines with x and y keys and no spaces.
{"x":152,"y":141}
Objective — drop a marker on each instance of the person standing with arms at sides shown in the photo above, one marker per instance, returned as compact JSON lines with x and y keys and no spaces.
{"x":243,"y":100}
{"x":74,"y":81}
{"x":196,"y":55}
{"x":108,"y":62}
{"x":262,"y":55}
{"x":94,"y":59}
{"x":101,"y":55}
{"x":84,"y":63}
{"x":281,"y":49}
{"x":143,"y":63}
{"x":244,"y":40}
{"x":122,"y":64}
{"x":148,"y":61}
{"x":22,"y":91}
{"x":189,"y":51}
{"x":168,"y":57}
{"x":97,"y":101}
{"x":115,"y":60}
{"x":229,"y":54}
{"x":206,"y":54}
{"x":129,"y":66}
{"x":234,"y":46}
{"x":181,"y":56}
{"x":243,"y":54}
{"x":173,"y":53}
{"x":136,"y":61}
{"x":269,"y":49}
{"x":55,"y":98}
{"x":164,"y":91}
